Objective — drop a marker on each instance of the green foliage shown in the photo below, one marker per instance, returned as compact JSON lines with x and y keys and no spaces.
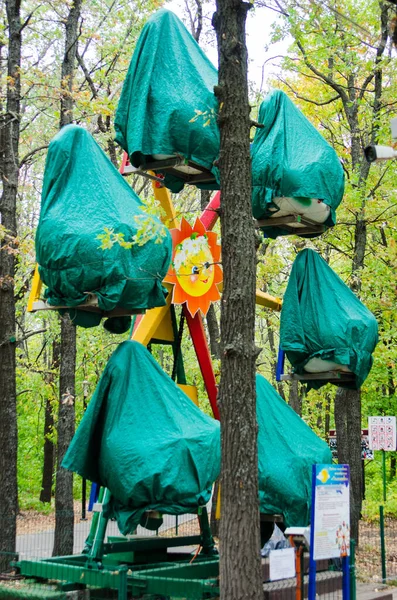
{"x":148,"y":228}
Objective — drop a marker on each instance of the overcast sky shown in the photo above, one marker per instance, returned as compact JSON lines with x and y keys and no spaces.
{"x":258,"y":33}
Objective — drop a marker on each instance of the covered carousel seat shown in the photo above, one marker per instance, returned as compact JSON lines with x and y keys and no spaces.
{"x":166,"y":119}
{"x":145,"y":440}
{"x":324,"y":327}
{"x":98,"y":253}
{"x":287,"y":449}
{"x":297,"y":178}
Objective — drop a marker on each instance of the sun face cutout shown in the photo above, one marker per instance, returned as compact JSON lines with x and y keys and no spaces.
{"x":193,"y":265}
{"x":195,"y":269}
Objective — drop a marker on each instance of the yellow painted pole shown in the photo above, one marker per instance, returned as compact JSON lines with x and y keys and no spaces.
{"x":35,"y":289}
{"x":268,"y":301}
{"x":263,"y":299}
{"x":162,"y":194}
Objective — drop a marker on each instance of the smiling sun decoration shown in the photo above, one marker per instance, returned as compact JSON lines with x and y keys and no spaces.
{"x":195,"y":270}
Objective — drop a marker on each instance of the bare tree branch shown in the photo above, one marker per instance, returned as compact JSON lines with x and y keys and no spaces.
{"x":30,"y":334}
{"x":308,"y":99}
{"x":335,"y":86}
{"x":377,"y":185}
{"x":30,"y":154}
{"x":87,"y":75}
{"x":378,"y":218}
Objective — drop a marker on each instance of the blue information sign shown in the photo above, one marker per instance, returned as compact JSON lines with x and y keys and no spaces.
{"x":330,"y":520}
{"x":331,"y":511}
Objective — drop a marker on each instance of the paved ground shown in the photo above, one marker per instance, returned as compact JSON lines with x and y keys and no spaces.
{"x":372,"y":591}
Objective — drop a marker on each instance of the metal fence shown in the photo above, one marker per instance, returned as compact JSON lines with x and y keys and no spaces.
{"x":328,"y":587}
{"x":376,"y":556}
{"x":35,"y":540}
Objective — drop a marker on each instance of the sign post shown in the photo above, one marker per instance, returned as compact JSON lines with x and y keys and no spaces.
{"x":382,"y":436}
{"x":330,"y":522}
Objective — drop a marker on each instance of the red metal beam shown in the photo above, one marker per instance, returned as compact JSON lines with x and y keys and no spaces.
{"x":210,"y":214}
{"x":199,"y":340}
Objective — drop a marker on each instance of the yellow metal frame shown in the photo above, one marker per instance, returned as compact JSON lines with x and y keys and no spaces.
{"x":163,"y":195}
{"x":190,"y":391}
{"x":148,"y":327}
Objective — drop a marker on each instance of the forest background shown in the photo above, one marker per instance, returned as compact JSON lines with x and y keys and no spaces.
{"x":339,"y":69}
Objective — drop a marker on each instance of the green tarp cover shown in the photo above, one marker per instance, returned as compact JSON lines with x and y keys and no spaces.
{"x":321,"y":317}
{"x":167,"y":105}
{"x":145,"y":440}
{"x":291,"y":158}
{"x":287,"y":449}
{"x":83,"y":193}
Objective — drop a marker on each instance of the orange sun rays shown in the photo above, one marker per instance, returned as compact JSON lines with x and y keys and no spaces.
{"x":190,"y":245}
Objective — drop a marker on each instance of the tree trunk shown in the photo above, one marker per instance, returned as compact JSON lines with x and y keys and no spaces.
{"x":64,"y":514}
{"x":348,"y":402}
{"x":48,"y":451}
{"x":213,"y":332}
{"x":348,"y":432}
{"x":68,"y":64}
{"x":240,"y":564}
{"x":9,"y":166}
{"x":327,"y":419}
{"x":295,"y":400}
{"x":319,"y":410}
{"x":49,"y":448}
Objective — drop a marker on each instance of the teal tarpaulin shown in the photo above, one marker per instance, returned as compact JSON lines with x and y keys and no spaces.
{"x":322,"y":319}
{"x":83,"y":194}
{"x":145,"y":440}
{"x":287,"y":449}
{"x":290,"y":158}
{"x":168,"y":108}
{"x":167,"y":105}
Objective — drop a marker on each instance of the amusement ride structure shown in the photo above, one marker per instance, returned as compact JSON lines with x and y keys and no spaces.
{"x":143,"y":441}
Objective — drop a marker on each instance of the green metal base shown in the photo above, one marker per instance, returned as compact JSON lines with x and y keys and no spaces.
{"x":139,"y":565}
{"x":176,"y":579}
